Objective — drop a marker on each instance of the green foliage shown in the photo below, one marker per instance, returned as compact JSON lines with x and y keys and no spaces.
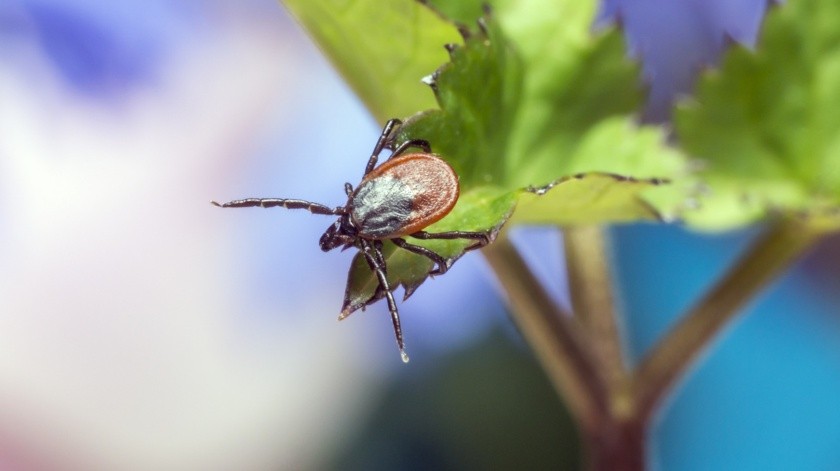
{"x":381,"y":48}
{"x":530,"y":97}
{"x":767,"y":124}
{"x":552,"y":103}
{"x":618,"y":168}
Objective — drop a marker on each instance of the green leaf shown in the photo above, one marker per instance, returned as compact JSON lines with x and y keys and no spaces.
{"x":767,"y":124}
{"x":619,"y":190}
{"x":534,"y":96}
{"x":605,"y":195}
{"x":382,"y":49}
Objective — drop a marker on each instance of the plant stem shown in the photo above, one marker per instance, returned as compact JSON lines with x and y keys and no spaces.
{"x":619,"y":442}
{"x":619,"y":446}
{"x":668,"y":361}
{"x":590,"y":285}
{"x":552,"y":334}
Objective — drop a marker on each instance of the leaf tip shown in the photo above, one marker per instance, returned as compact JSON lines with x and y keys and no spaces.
{"x":408,"y":290}
{"x":729,"y":42}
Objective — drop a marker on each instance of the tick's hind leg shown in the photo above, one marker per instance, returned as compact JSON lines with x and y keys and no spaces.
{"x":314,"y":208}
{"x":481,"y":238}
{"x":442,"y":265}
{"x":373,"y":259}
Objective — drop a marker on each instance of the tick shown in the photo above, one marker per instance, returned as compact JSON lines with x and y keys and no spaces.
{"x":399,"y":198}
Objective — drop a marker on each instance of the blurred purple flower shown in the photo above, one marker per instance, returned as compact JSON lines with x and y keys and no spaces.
{"x":692,"y":36}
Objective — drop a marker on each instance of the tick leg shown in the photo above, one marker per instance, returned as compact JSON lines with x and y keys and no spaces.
{"x":377,"y":250}
{"x":381,"y":143}
{"x":442,"y":266}
{"x":313,"y":208}
{"x":420,"y":143}
{"x":481,"y":238}
{"x":373,"y":259}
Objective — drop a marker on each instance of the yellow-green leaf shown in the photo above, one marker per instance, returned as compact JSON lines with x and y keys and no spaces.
{"x":382,"y":49}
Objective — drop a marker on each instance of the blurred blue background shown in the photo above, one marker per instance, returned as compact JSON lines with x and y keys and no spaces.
{"x":140,"y":328}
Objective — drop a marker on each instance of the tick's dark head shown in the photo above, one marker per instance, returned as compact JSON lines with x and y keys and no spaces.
{"x":337,"y":235}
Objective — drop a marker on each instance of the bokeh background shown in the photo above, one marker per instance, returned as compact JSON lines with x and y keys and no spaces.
{"x":143,"y":329}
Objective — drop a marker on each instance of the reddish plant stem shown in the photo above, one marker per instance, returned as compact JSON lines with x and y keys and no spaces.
{"x":617,"y":446}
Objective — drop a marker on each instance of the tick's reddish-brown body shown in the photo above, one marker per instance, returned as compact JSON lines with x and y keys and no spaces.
{"x":419,"y":189}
